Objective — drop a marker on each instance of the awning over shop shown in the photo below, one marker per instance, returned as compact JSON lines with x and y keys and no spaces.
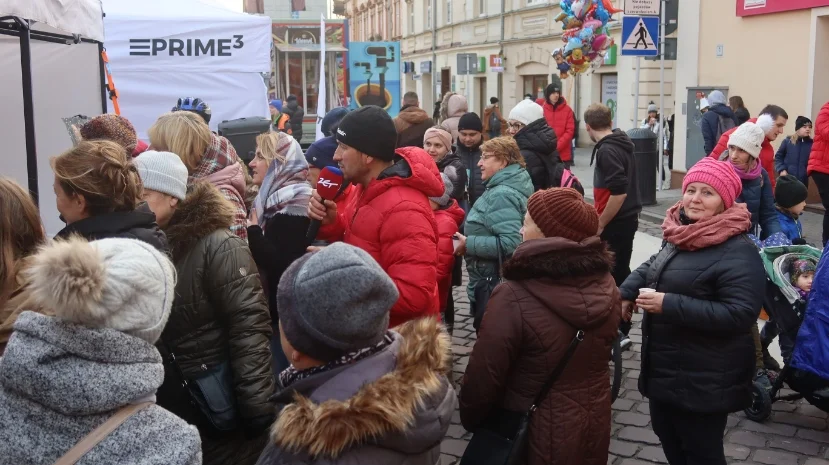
{"x":310,"y":48}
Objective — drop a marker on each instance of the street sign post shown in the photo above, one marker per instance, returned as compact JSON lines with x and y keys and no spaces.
{"x":642,"y":7}
{"x":640,"y":35}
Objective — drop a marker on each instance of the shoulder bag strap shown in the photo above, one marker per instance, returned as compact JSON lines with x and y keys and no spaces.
{"x":100,"y":433}
{"x":500,"y":259}
{"x":557,"y":371}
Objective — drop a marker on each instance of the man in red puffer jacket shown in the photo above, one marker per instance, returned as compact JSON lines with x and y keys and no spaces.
{"x":818,"y":167}
{"x":388,"y":215}
{"x":772,"y":120}
{"x":560,"y":117}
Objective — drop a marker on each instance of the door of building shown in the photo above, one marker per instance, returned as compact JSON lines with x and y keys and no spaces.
{"x":610,"y":94}
{"x":695,"y":144}
{"x":482,"y":98}
{"x":445,"y":81}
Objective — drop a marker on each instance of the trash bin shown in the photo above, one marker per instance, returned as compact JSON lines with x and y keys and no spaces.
{"x":646,"y":157}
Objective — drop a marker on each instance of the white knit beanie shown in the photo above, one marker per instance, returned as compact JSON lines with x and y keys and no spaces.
{"x":748,"y":137}
{"x":526,"y":111}
{"x":122,"y":284}
{"x":163,"y":172}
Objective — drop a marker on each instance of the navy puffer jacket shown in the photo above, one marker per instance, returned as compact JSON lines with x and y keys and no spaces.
{"x":793,"y":157}
{"x":759,"y":198}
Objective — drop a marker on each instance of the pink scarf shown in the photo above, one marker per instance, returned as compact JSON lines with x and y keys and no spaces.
{"x":706,"y":232}
{"x":750,"y":175}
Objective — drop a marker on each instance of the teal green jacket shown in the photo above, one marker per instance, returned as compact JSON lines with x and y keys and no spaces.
{"x":498,"y":212}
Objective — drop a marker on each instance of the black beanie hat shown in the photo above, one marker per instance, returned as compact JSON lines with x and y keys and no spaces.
{"x":551,"y":89}
{"x":789,"y":191}
{"x":470,"y":122}
{"x":370,"y":130}
{"x":800,"y":122}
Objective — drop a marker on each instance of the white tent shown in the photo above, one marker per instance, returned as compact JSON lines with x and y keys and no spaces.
{"x":50,"y":68}
{"x":161,"y":50}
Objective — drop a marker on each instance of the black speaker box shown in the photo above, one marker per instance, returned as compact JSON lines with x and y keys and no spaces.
{"x":242,"y":134}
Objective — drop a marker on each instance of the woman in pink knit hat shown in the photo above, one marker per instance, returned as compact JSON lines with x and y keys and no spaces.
{"x":701,"y":295}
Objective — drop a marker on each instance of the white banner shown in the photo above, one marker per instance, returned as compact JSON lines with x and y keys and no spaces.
{"x":321,"y":95}
{"x":184,"y":36}
{"x":76,"y":17}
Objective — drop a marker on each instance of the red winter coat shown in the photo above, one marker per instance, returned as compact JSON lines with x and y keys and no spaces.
{"x":561,"y":118}
{"x":392,"y":220}
{"x":819,"y":159}
{"x":449,"y":222}
{"x":766,"y":152}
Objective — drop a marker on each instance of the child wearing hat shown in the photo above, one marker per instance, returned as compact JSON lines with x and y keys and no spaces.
{"x":803,"y":273}
{"x":792,"y":157}
{"x":449,"y":217}
{"x":790,"y":200}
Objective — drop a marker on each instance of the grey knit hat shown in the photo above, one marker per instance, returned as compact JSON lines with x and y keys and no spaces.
{"x":163,"y":172}
{"x":335,"y":301}
{"x":446,"y":199}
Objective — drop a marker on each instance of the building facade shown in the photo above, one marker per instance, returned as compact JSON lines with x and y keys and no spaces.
{"x":374,"y":20}
{"x":518,"y":35}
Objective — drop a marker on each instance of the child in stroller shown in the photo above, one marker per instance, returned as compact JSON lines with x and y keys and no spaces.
{"x":803,"y":329}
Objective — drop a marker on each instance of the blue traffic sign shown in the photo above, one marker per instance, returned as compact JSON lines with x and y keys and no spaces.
{"x":640,"y":36}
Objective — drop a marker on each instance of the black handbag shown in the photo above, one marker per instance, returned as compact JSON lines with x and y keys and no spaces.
{"x":491,"y":447}
{"x":484,"y":289}
{"x":212,"y":395}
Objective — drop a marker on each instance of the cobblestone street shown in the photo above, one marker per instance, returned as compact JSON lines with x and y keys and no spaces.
{"x":796,"y":433}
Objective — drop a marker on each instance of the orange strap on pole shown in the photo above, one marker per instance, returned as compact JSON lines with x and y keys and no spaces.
{"x":113,"y":93}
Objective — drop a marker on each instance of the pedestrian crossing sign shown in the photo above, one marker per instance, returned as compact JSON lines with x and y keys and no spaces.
{"x":640,"y":35}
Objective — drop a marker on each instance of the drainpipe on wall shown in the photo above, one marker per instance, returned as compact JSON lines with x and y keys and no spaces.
{"x":501,"y":54}
{"x":435,"y":91}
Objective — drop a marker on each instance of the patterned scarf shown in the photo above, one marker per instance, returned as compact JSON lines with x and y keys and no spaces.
{"x":285,"y":188}
{"x":291,"y":375}
{"x":706,"y":232}
{"x":220,"y":155}
{"x":751,"y":174}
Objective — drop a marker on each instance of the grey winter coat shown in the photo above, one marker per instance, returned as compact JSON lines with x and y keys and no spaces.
{"x":59,"y":381}
{"x":392,"y":408}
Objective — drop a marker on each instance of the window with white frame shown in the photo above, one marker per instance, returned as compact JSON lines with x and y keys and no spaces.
{"x":410,"y":12}
{"x":428,"y":14}
{"x":448,"y":11}
{"x":397,"y":24}
{"x":481,"y":7}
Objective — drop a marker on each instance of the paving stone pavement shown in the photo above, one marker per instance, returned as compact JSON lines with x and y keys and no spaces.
{"x":796,"y":433}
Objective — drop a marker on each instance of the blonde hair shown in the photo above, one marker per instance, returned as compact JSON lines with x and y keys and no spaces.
{"x":273,"y":146}
{"x":183,"y":133}
{"x":102,"y":173}
{"x":506,"y":149}
{"x":21,"y":233}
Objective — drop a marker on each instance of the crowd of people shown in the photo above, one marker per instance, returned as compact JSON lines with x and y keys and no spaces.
{"x":199,"y":310}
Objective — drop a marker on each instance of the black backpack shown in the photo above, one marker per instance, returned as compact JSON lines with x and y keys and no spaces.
{"x":494,"y":122}
{"x":724,"y":124}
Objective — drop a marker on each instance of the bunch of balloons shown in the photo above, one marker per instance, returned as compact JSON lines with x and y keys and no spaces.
{"x":586,"y":35}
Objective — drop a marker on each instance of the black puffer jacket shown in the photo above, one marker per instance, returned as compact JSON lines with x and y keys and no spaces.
{"x":469,"y":159}
{"x":219,"y":313}
{"x":698,"y":354}
{"x":138,"y":224}
{"x":537,"y":142}
{"x":296,"y":113}
{"x":453,"y":167}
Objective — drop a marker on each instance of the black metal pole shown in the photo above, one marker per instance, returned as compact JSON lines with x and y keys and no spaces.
{"x":104,"y":86}
{"x":28,"y":107}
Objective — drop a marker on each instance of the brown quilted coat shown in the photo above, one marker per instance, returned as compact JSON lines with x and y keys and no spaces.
{"x":553,"y":287}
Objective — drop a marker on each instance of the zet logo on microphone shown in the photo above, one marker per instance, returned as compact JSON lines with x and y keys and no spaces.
{"x":327,"y":183}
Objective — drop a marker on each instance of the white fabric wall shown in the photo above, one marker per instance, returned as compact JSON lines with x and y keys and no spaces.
{"x":66,"y":82}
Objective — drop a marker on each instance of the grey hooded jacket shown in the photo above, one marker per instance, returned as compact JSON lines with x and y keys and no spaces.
{"x":59,"y":381}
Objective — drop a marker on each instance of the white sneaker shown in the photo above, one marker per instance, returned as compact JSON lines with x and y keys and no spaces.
{"x":666,"y":185}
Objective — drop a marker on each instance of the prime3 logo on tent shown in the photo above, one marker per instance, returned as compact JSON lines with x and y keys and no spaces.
{"x":186,"y":47}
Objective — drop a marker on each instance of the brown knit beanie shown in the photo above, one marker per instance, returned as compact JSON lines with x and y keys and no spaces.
{"x":562,"y":212}
{"x":113,"y":128}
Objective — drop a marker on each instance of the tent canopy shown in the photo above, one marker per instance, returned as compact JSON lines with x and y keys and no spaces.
{"x":161,"y":50}
{"x":82,"y":17}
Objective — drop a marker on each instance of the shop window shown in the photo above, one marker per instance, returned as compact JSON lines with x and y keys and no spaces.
{"x":312,"y":79}
{"x":294,"y":78}
{"x":534,"y":85}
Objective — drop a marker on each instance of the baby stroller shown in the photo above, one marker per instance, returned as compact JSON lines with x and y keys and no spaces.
{"x":787,"y":310}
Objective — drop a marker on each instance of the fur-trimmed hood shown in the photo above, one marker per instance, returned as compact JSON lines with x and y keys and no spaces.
{"x":565,"y":276}
{"x":202,"y":212}
{"x":398,"y":401}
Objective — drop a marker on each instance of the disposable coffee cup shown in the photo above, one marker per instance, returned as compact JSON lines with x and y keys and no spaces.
{"x":645,"y":290}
